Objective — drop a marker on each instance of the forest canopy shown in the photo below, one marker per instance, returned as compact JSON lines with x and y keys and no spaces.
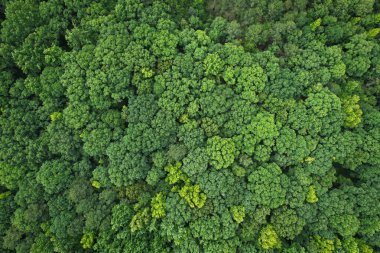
{"x":201,"y":126}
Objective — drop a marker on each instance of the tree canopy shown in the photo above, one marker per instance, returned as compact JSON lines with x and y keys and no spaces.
{"x":189,"y":126}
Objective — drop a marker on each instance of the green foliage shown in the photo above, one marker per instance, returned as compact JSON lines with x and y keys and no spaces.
{"x":221,"y":152}
{"x":212,"y":64}
{"x":320,"y":244}
{"x":4,"y":195}
{"x":158,"y":208}
{"x":96,"y":184}
{"x":352,"y":110}
{"x":140,"y":219}
{"x":193,"y":195}
{"x":174,"y":173}
{"x":267,"y":186}
{"x":238,"y":213}
{"x":87,"y":240}
{"x":287,"y":223}
{"x":54,"y":176}
{"x":268,"y":238}
{"x":311,"y":196}
{"x":315,"y":24}
{"x":189,"y":126}
{"x":55,"y":116}
{"x":373,"y":32}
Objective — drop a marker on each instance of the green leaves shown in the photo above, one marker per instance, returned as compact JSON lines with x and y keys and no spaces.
{"x":287,"y":223}
{"x":315,"y":24}
{"x":238,"y":213}
{"x":140,"y":219}
{"x":258,"y":136}
{"x":268,"y":238}
{"x":352,"y":110}
{"x":221,"y":152}
{"x":158,"y":208}
{"x":174,"y":173}
{"x":251,"y":82}
{"x":268,"y":186}
{"x":213,"y":64}
{"x":311,"y":196}
{"x":125,"y":168}
{"x":191,"y":193}
{"x":54,"y":176}
{"x":87,"y":240}
{"x":153,"y":126}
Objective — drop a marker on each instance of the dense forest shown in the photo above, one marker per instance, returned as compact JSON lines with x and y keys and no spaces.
{"x":200,"y":126}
